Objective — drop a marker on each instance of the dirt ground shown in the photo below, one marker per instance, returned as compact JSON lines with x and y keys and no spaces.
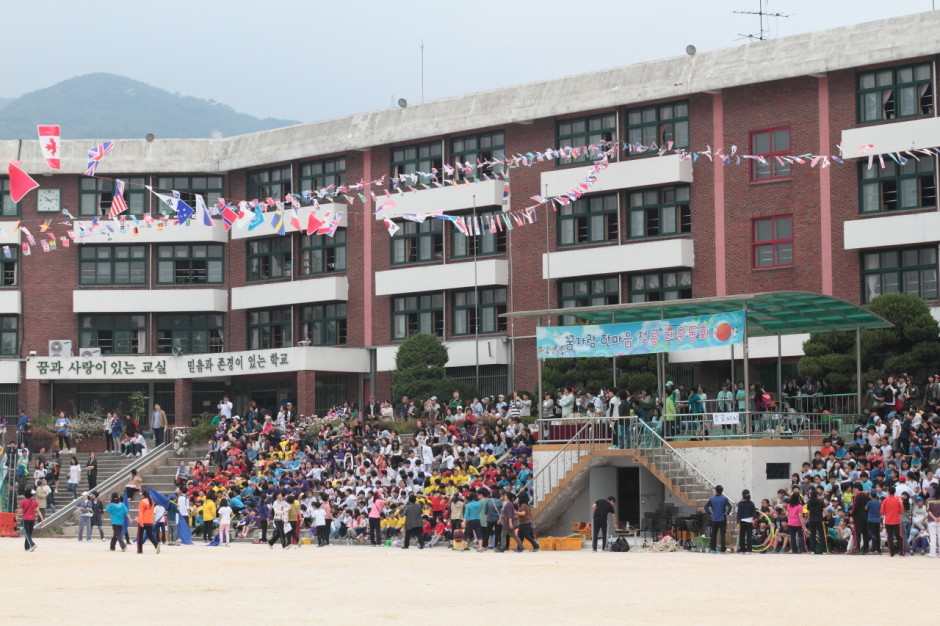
{"x":250,"y":583}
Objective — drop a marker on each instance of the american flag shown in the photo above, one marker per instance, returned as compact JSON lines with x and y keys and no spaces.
{"x":118,"y":205}
{"x":95,"y":155}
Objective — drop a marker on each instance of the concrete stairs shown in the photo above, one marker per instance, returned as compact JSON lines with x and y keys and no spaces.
{"x":108,"y":465}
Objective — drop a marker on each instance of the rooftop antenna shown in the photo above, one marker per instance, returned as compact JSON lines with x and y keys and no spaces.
{"x":761,"y":13}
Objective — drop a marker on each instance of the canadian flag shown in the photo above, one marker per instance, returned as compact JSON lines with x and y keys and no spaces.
{"x":49,"y":141}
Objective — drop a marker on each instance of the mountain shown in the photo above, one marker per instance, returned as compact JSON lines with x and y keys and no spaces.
{"x":5,"y":101}
{"x":106,"y":106}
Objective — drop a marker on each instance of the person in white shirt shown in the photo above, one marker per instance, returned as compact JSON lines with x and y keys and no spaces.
{"x":182,"y":503}
{"x":159,"y":523}
{"x":319,"y":522}
{"x":225,"y":408}
{"x":225,"y":523}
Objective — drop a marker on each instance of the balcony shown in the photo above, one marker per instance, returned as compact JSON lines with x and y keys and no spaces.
{"x":893,"y":136}
{"x":641,"y":172}
{"x":171,"y":233}
{"x":462,"y":275}
{"x":461,"y":353}
{"x":325,"y":289}
{"x":909,"y":229}
{"x":641,"y":256}
{"x":447,"y":199}
{"x":150,"y":300}
{"x":266,"y":230}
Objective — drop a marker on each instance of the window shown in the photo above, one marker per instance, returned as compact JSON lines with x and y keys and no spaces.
{"x":422,"y":313}
{"x":898,"y":187}
{"x":588,"y":220}
{"x":209,"y":187}
{"x":486,"y":243}
{"x":95,"y":195}
{"x":8,"y":208}
{"x":660,"y":286}
{"x":112,"y":265}
{"x":9,"y":262}
{"x":659,"y":212}
{"x":190,"y":264}
{"x":778,"y":471}
{"x":321,"y":254}
{"x":773,"y":242}
{"x":660,"y":125}
{"x":908,"y":270}
{"x":114,"y":334}
{"x":587,"y":292}
{"x":270,"y":183}
{"x":319,"y":174}
{"x":890,"y":94}
{"x":418,"y":243}
{"x":269,"y":259}
{"x":417,"y":158}
{"x":583,"y":132}
{"x":193,"y":333}
{"x":269,"y":328}
{"x":484,"y":147}
{"x":324,"y":324}
{"x":471,"y":318}
{"x":9,"y":335}
{"x":772,"y":145}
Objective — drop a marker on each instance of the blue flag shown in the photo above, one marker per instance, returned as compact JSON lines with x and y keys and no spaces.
{"x":182,"y":526}
{"x":257,"y":220}
{"x":183,"y":212}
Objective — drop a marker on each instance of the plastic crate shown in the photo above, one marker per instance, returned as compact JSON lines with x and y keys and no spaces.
{"x":547,"y":543}
{"x":567,"y":543}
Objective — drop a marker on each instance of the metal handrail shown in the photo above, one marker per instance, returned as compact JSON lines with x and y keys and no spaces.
{"x":116,"y":479}
{"x":666,"y":444}
{"x":564,"y":448}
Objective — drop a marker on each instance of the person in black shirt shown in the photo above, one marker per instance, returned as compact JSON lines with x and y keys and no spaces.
{"x":602,"y":509}
{"x":747,"y":514}
{"x":860,"y":519}
{"x":815,"y":523}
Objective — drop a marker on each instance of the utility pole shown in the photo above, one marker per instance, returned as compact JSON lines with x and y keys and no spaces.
{"x":761,"y":13}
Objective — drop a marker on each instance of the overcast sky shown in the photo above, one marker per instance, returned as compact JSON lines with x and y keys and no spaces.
{"x":310,"y":59}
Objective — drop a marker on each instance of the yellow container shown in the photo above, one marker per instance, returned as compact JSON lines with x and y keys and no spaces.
{"x":547,"y":543}
{"x":567,"y":543}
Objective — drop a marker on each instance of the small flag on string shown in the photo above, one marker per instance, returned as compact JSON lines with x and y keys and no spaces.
{"x":506,"y":197}
{"x":313,"y":224}
{"x":277,"y":222}
{"x":183,"y":212}
{"x":228,"y":217}
{"x":20,"y":182}
{"x":45,"y":246}
{"x":257,"y":220}
{"x":118,"y":204}
{"x":295,"y":219}
{"x":391,"y":226}
{"x":45,"y":226}
{"x":26,"y":250}
{"x":49,"y":140}
{"x":203,"y":210}
{"x":65,"y":240}
{"x":95,"y":155}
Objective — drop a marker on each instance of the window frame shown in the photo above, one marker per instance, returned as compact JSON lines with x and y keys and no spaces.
{"x":431,"y":161}
{"x":310,"y":181}
{"x":188,"y":188}
{"x":268,"y":328}
{"x":478,"y":306}
{"x":413,"y":233}
{"x":10,"y":266}
{"x":321,"y":313}
{"x":566,"y":215}
{"x":468,"y":246}
{"x":659,"y":124}
{"x":257,"y":189}
{"x":9,"y":328}
{"x":335,"y":246}
{"x":135,"y":195}
{"x":661,"y":289}
{"x":419,"y":308}
{"x":190,"y":259}
{"x":895,"y":87}
{"x":774,"y":242}
{"x":770,"y":156}
{"x":188,"y":326}
{"x":583,"y":139}
{"x":591,"y":297}
{"x":900,"y":270}
{"x":898,"y":178}
{"x":112,"y":261}
{"x":6,"y":201}
{"x":683,"y":216}
{"x":252,"y":254}
{"x":463,"y":154}
{"x":106,"y":322}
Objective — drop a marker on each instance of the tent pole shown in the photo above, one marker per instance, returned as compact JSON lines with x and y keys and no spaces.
{"x":779,"y":371}
{"x":539,"y":361}
{"x":747,"y":375}
{"x":858,"y":369}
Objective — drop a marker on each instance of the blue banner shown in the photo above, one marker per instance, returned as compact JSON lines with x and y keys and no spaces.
{"x":608,"y":340}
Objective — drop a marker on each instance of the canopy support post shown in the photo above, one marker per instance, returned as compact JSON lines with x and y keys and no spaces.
{"x":779,"y":371}
{"x":539,"y":363}
{"x":859,"y":385}
{"x":747,"y":375}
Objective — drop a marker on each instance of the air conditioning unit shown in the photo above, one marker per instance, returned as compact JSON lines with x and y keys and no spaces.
{"x":60,"y":347}
{"x":90,"y":352}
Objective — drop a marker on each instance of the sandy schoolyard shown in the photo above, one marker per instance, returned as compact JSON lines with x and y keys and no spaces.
{"x":86,"y":583}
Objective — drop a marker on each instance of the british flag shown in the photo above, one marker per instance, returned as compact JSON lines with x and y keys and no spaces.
{"x":118,"y":205}
{"x":95,"y":155}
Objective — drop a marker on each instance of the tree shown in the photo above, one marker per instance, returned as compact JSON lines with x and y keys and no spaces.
{"x":913,"y":344}
{"x":419,"y":371}
{"x":595,"y":373}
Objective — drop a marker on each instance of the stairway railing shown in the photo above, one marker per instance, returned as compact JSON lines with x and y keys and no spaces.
{"x":582,"y":442}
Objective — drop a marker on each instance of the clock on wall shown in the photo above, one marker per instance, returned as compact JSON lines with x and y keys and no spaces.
{"x":49,"y":200}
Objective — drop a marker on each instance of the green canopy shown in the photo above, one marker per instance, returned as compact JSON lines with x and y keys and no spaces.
{"x":768,"y":314}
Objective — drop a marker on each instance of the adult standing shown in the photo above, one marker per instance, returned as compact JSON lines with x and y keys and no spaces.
{"x":172,"y":519}
{"x":718,"y":508}
{"x":891,"y":509}
{"x":795,"y":522}
{"x":108,"y":440}
{"x":815,"y":506}
{"x":873,"y":508}
{"x":375,"y":519}
{"x":24,"y":429}
{"x":279,"y":510}
{"x":747,"y":513}
{"x":471,"y":512}
{"x":524,"y":515}
{"x":159,"y":425}
{"x":84,"y":515}
{"x":63,"y":432}
{"x":413,"y":522}
{"x":116,"y":427}
{"x":489,"y":518}
{"x":29,"y":509}
{"x":97,"y":510}
{"x":118,"y":512}
{"x":145,"y":523}
{"x":507,"y":522}
{"x":92,"y":468}
{"x":602,"y":510}
{"x":75,"y":477}
{"x":208,"y":511}
{"x":933,"y":524}
{"x":456,"y":512}
{"x":859,"y":513}
{"x":225,"y":408}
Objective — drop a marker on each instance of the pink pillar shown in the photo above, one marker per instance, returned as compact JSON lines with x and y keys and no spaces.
{"x":825,"y":190}
{"x":718,"y":134}
{"x":367,"y":226}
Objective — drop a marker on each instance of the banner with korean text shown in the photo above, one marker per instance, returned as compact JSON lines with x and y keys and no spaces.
{"x":669,"y":335}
